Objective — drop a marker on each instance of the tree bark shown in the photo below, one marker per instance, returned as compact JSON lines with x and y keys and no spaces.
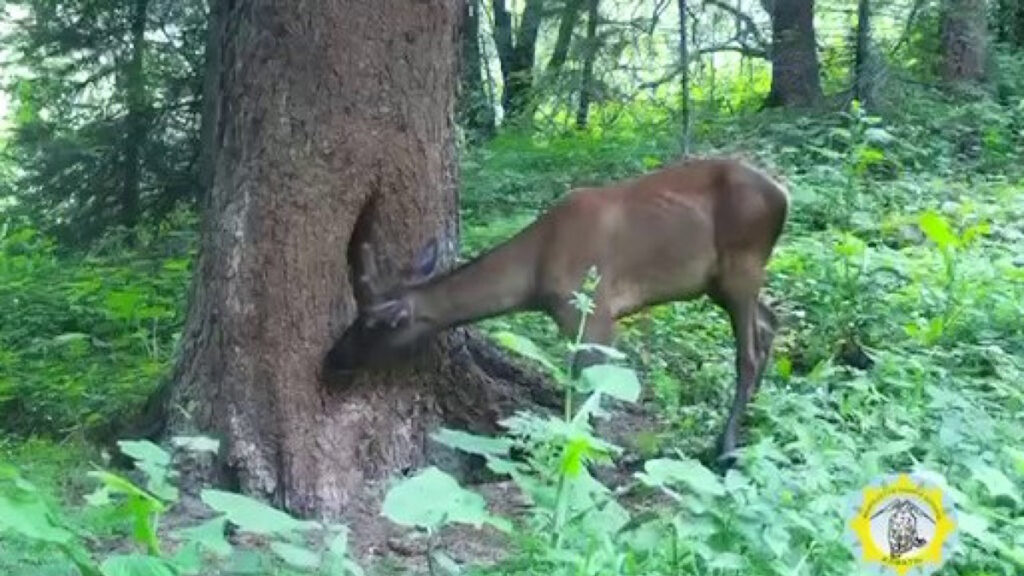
{"x":332,"y":125}
{"x":135,"y":120}
{"x":475,"y":112}
{"x":963,"y":40}
{"x":864,"y":73}
{"x":796,"y":78}
{"x":684,"y":80}
{"x":516,"y":51}
{"x":587,"y":78}
{"x":559,"y":54}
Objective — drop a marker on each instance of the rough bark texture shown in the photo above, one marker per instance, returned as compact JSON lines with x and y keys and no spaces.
{"x":963,"y":40}
{"x":796,"y":80}
{"x":475,"y":112}
{"x":332,"y":123}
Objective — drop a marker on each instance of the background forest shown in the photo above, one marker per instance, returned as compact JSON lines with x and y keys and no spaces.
{"x":898,"y":126}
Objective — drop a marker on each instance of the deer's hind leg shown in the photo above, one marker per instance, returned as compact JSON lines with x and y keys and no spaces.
{"x":737,"y":290}
{"x":767,"y":325}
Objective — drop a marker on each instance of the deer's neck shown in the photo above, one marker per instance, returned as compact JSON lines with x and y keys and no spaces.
{"x":500,"y":281}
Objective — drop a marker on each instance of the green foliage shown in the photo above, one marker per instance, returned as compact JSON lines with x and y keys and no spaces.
{"x":84,"y":339}
{"x":97,"y":143}
{"x":27,"y":514}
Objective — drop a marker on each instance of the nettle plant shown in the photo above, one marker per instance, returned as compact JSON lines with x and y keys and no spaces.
{"x":691,"y":520}
{"x":952,"y":245}
{"x":25,"y":512}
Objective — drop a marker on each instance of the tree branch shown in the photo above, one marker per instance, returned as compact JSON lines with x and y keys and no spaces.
{"x":751,"y":25}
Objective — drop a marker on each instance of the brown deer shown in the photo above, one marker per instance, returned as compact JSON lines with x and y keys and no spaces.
{"x":701,"y":227}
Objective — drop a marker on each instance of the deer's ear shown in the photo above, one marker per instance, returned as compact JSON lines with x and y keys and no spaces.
{"x":425,"y":264}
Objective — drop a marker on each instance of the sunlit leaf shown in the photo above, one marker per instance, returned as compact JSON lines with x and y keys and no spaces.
{"x":209,"y":535}
{"x":526,"y":347}
{"x":615,"y":381}
{"x":692,"y":474}
{"x":431,"y":499}
{"x":997,"y":483}
{"x":472,"y":443}
{"x":937,"y":229}
{"x":251,"y":515}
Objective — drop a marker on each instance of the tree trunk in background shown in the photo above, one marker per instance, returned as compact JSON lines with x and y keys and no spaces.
{"x":587,"y":78}
{"x":1010,"y":18}
{"x":684,"y":67}
{"x":570,"y":15}
{"x":134,"y":138}
{"x":864,"y":65}
{"x":796,"y":80}
{"x":475,"y":111}
{"x":516,"y":50}
{"x":332,"y":124}
{"x":963,"y":40}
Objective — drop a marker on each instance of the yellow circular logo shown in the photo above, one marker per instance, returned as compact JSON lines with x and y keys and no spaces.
{"x":902,"y":525}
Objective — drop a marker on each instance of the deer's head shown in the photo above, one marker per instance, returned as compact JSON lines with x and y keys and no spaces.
{"x":389,"y":321}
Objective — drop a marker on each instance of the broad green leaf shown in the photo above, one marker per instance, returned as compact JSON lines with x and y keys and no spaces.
{"x":878,"y":136}
{"x":99,"y":497}
{"x":188,"y":560}
{"x":197,"y":443}
{"x":693,"y":474}
{"x":136,"y":565}
{"x":615,"y":381}
{"x":608,"y":351}
{"x":573,"y":456}
{"x":432,"y":499}
{"x":296,"y":556}
{"x":525,"y":347}
{"x":209,"y":535}
{"x":472,"y":443}
{"x":27,"y":515}
{"x":937,"y":229}
{"x":145,"y":451}
{"x":995,"y":481}
{"x":118,"y":485}
{"x":251,"y":515}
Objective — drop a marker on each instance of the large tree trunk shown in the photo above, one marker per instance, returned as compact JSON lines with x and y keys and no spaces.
{"x":796,"y":78}
{"x":963,"y":40}
{"x":135,"y":120}
{"x":475,"y":110}
{"x":332,"y":123}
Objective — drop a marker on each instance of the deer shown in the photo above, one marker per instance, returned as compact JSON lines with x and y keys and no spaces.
{"x":700,"y":227}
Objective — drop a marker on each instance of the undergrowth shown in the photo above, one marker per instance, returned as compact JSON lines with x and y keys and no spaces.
{"x":899,"y":281}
